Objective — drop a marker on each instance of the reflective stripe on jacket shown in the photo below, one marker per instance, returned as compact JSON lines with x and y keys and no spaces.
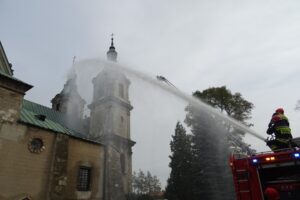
{"x":281,"y":125}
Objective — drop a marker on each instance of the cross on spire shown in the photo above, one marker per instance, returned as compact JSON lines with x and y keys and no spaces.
{"x":112,"y":39}
{"x":74,"y":58}
{"x":112,"y":54}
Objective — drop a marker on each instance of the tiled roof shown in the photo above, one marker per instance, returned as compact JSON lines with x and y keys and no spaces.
{"x":54,"y":120}
{"x":30,"y":117}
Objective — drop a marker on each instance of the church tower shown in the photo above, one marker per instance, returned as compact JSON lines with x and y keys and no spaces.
{"x":69,"y":101}
{"x":110,"y":124}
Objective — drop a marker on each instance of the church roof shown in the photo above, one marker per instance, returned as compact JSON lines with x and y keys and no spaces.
{"x":46,"y":118}
{"x":6,"y":73}
{"x":13,"y":78}
{"x":5,"y":66}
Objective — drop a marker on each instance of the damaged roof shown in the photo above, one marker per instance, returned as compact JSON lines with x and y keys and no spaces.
{"x":43,"y":117}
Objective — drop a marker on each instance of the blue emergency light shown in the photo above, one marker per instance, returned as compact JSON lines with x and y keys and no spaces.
{"x":254,"y":160}
{"x":297,"y":155}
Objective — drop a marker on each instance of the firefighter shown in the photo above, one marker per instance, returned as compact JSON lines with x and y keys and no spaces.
{"x":271,"y":194}
{"x":280,"y":127}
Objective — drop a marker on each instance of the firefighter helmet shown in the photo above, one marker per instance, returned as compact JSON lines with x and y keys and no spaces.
{"x":279,"y":110}
{"x":272,"y":194}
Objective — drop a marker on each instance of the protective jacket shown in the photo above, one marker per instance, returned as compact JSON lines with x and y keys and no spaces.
{"x":279,"y":125}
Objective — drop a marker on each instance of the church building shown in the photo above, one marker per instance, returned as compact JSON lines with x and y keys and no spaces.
{"x":57,"y":154}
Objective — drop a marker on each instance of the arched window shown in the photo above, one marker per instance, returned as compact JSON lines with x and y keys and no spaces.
{"x":58,"y":106}
{"x":121,"y":90}
{"x":122,"y":160}
{"x":100,"y":91}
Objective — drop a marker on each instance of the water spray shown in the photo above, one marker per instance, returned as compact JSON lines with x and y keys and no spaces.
{"x":173,"y":90}
{"x":170,"y":88}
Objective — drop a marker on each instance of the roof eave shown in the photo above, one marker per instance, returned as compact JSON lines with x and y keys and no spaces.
{"x":14,"y":84}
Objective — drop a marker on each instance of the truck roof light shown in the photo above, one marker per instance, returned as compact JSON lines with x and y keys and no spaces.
{"x":270,"y":158}
{"x":254,"y":160}
{"x":297,"y":155}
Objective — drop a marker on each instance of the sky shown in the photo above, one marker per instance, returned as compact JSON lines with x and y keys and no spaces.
{"x":252,"y":47}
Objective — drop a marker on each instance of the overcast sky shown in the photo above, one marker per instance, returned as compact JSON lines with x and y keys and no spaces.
{"x":252,"y":47}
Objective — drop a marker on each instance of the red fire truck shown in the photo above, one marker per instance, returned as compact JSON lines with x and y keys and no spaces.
{"x":253,"y":174}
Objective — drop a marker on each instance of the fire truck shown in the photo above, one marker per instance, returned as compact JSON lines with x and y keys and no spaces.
{"x":253,"y":174}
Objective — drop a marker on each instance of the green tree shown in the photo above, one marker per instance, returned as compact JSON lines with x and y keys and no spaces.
{"x":235,"y":106}
{"x":179,"y":182}
{"x":145,"y":184}
{"x":211,"y":138}
{"x":152,"y":183}
{"x":138,"y":182}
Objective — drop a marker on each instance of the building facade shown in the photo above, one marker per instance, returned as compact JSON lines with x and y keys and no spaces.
{"x":55,"y":153}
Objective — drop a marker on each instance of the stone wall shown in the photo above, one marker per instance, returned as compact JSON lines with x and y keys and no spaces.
{"x":121,"y":121}
{"x":58,"y":173}
{"x":118,"y":172}
{"x":114,"y":183}
{"x":85,"y":154}
{"x":21,"y":171}
{"x":10,"y":102}
{"x":50,"y":174}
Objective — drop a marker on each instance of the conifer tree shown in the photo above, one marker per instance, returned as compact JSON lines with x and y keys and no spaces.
{"x":209,"y":152}
{"x":179,"y":182}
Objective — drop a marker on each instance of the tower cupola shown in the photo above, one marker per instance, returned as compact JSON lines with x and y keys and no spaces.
{"x":69,"y":101}
{"x":112,"y":54}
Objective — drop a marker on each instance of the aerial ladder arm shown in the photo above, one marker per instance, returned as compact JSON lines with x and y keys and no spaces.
{"x":163,"y":79}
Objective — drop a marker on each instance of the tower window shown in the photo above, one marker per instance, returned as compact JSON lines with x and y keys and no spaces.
{"x":84,"y":179}
{"x":122,"y":160}
{"x":100,"y":91}
{"x":57,"y":107}
{"x":121,"y":90}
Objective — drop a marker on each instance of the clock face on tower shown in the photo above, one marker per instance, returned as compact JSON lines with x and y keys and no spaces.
{"x":36,"y":145}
